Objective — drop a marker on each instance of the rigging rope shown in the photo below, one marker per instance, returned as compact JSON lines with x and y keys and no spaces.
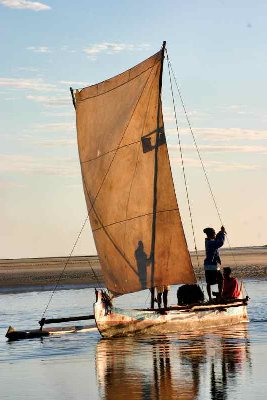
{"x":198,"y":152}
{"x":62,"y":272}
{"x":99,"y":284}
{"x":182,"y":161}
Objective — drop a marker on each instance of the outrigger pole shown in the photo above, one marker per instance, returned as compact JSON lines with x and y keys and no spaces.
{"x":46,"y":321}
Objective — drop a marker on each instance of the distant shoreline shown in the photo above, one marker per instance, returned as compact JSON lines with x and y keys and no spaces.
{"x":43,"y":273}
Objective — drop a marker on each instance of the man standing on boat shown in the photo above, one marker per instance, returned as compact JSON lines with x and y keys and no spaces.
{"x":162,"y":291}
{"x":212,"y":261}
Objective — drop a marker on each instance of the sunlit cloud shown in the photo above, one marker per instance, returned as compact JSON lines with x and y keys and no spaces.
{"x":27,"y":84}
{"x":231,"y":134}
{"x":11,"y":98}
{"x":169,"y":114}
{"x":112,"y":48}
{"x":22,"y":164}
{"x":28,"y":69}
{"x":51,"y":101}
{"x":234,"y":149}
{"x":67,"y":49}
{"x":77,"y":185}
{"x":76,"y":84}
{"x":212,"y":165}
{"x":39,"y":49}
{"x":221,"y":134}
{"x":58,"y":142}
{"x":9,"y":184}
{"x":239,"y":109}
{"x":223,"y":148}
{"x":55,"y":127}
{"x":25,"y":5}
{"x":63,"y":114}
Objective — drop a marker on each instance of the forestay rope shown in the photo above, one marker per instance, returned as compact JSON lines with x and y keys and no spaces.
{"x":171,"y":72}
{"x":65,"y":266}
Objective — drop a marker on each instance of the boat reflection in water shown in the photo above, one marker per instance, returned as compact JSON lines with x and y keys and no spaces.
{"x":206,"y":365}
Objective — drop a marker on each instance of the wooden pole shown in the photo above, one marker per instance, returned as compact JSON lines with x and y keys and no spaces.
{"x":153,"y":238}
{"x":73,"y":98}
{"x":45,"y":321}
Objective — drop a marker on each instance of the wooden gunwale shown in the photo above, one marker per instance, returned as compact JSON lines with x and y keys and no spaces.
{"x":197,"y":307}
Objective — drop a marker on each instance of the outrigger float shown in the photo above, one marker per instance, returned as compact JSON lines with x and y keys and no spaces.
{"x":13,"y":334}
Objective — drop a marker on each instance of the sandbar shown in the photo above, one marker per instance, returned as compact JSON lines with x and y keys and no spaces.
{"x":44,"y":273}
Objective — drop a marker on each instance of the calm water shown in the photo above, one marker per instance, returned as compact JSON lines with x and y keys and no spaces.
{"x":224,"y":364}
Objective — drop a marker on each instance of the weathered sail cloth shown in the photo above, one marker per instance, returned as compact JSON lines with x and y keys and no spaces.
{"x":117,"y":123}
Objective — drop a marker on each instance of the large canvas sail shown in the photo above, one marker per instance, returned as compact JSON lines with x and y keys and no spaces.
{"x":128,"y":183}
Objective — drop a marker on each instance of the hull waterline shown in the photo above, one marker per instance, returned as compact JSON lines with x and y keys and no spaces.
{"x":117,"y":322}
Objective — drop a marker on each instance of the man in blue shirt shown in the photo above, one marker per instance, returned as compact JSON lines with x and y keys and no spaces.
{"x":212,"y":261}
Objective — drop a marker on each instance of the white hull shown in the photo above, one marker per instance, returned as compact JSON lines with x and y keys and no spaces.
{"x":116,"y":322}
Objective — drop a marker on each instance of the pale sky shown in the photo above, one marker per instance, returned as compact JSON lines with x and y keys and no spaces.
{"x":218,"y":50}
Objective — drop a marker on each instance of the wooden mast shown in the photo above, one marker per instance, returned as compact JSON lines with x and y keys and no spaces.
{"x":153,"y":238}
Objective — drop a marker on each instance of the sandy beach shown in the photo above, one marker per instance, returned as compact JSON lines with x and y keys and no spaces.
{"x":43,"y":273}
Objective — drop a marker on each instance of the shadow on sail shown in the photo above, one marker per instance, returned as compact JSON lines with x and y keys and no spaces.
{"x":142,"y":262}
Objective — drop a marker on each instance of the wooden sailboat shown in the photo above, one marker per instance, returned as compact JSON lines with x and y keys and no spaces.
{"x":132,"y":204}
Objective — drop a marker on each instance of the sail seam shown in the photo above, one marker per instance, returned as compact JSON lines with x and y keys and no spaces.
{"x":121,"y":147}
{"x":131,"y":219}
{"x":116,"y":87}
{"x":110,"y":151}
